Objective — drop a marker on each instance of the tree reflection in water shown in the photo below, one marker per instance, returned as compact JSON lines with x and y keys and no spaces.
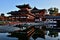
{"x":53,"y":33}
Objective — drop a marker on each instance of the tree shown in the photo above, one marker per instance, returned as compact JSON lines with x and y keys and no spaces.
{"x":53,"y":11}
{"x":50,"y":10}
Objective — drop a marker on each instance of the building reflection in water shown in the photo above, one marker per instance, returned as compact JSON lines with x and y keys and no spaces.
{"x":38,"y":33}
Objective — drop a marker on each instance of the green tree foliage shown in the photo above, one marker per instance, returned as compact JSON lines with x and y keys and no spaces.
{"x":53,"y":10}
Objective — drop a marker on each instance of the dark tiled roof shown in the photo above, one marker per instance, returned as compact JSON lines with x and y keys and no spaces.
{"x":24,"y":6}
{"x":23,"y":11}
{"x":12,"y":12}
{"x":18,"y":12}
{"x":37,"y":10}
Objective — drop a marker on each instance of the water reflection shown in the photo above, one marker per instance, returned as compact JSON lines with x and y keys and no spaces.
{"x":53,"y":34}
{"x":3,"y":36}
{"x":19,"y":36}
{"x":38,"y":33}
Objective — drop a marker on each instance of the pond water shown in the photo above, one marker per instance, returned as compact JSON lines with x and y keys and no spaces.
{"x":3,"y":36}
{"x":52,"y":35}
{"x":38,"y":35}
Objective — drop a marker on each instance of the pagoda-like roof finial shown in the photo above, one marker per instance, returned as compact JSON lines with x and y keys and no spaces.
{"x":34,"y":8}
{"x":24,"y":6}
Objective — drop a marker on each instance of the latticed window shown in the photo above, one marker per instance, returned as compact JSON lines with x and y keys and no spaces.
{"x":22,"y":17}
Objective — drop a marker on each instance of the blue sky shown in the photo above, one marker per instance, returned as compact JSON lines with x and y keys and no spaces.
{"x":10,"y":5}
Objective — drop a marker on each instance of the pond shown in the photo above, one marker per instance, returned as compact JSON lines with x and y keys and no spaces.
{"x":49,"y":35}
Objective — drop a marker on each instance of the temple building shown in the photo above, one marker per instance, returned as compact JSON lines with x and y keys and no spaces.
{"x":27,"y":14}
{"x":23,"y":15}
{"x":3,"y":17}
{"x":39,"y":14}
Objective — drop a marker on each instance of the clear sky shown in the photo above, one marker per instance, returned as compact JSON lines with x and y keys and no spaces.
{"x":10,"y":5}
